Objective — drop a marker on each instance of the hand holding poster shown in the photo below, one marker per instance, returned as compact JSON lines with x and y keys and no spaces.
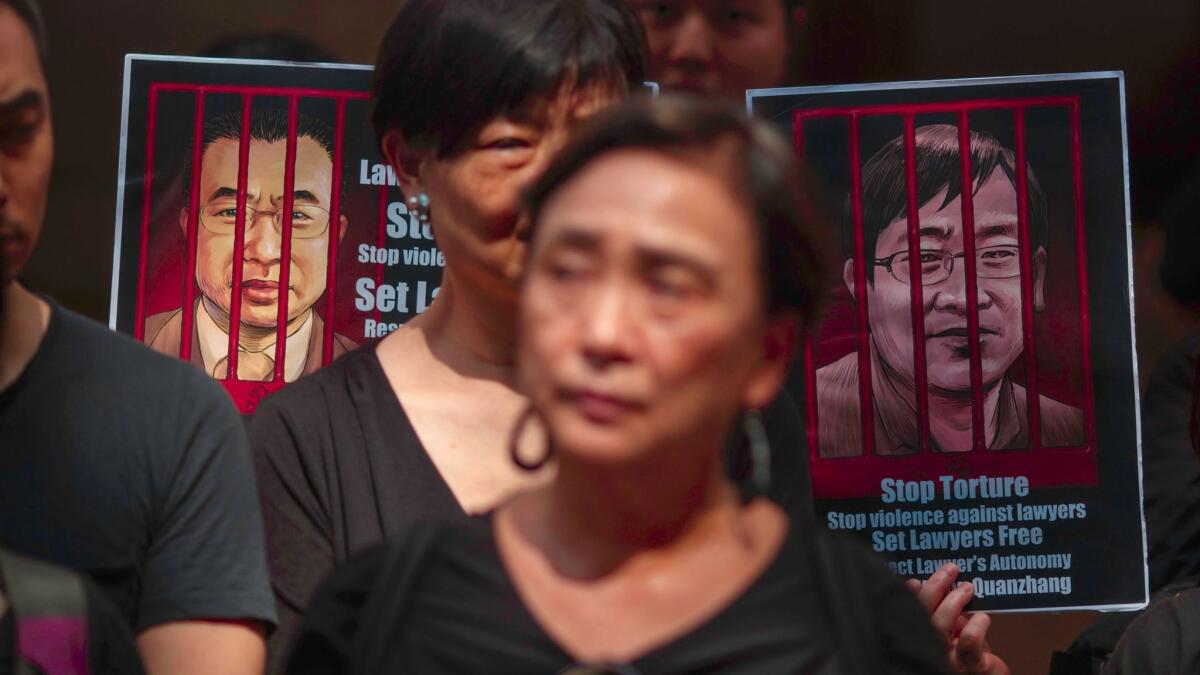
{"x":258,"y":162}
{"x":972,"y":394}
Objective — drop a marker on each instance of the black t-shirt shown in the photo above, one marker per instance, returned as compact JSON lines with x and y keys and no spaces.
{"x":133,"y":469}
{"x":437,"y":599}
{"x":341,"y":469}
{"x":1171,"y":482}
{"x":1165,"y":639}
{"x":110,"y":647}
{"x":1171,"y":468}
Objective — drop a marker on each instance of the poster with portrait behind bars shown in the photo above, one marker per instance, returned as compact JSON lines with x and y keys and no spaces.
{"x":971,"y":395}
{"x":227,"y":160}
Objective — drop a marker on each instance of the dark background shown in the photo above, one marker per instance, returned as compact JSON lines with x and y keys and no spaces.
{"x":845,"y":41}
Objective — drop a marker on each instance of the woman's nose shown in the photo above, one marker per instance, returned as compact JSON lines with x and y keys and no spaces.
{"x":607,"y":326}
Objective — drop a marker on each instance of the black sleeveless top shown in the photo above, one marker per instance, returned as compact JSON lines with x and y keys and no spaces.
{"x":341,"y":469}
{"x":437,"y":599}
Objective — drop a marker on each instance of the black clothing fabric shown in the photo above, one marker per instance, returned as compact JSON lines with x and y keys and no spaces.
{"x":133,"y":469}
{"x":340,"y":469}
{"x":1164,"y":641}
{"x":1093,"y":648}
{"x":437,"y":599}
{"x":1171,"y":470}
{"x":1171,"y":485}
{"x":110,"y":646}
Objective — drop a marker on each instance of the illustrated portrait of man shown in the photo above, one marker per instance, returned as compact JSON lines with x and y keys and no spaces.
{"x":262,"y":252}
{"x":944,"y":304}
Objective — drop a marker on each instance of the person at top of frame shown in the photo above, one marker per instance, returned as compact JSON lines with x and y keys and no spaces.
{"x":721,"y":47}
{"x":312,"y":227}
{"x":944,"y":310}
{"x":126,"y":466}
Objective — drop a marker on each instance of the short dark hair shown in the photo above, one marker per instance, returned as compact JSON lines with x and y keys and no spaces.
{"x":760,"y":166}
{"x":31,"y":14}
{"x":446,"y":67}
{"x":885,"y":186}
{"x":266,"y":124}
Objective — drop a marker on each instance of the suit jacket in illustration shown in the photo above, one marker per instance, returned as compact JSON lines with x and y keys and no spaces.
{"x":896,"y":430}
{"x":164,"y":334}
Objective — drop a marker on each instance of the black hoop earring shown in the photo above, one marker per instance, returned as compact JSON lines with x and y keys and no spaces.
{"x":515,"y":438}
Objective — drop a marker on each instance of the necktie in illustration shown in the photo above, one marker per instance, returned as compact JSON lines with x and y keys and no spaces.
{"x":252,"y":367}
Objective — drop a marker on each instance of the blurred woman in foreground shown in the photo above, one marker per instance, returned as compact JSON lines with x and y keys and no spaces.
{"x":669,"y":270}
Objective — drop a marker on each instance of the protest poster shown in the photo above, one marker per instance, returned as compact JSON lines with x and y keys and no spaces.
{"x":263,"y":161}
{"x":983,"y":281}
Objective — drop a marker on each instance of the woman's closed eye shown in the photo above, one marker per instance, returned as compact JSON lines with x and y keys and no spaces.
{"x":507,"y":150}
{"x":673,"y":283}
{"x":510,"y":143}
{"x":566,"y":266}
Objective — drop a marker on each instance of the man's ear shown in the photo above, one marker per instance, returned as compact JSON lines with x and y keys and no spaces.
{"x":848,"y":276}
{"x":1039,"y":279}
{"x":343,"y":223}
{"x":778,"y":347}
{"x":406,"y":161}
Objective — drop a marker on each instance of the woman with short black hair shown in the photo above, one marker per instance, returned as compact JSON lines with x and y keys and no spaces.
{"x":471,"y":100}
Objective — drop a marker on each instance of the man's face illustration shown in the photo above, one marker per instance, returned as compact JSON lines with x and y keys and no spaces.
{"x":262,"y":254}
{"x":947,"y":340}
